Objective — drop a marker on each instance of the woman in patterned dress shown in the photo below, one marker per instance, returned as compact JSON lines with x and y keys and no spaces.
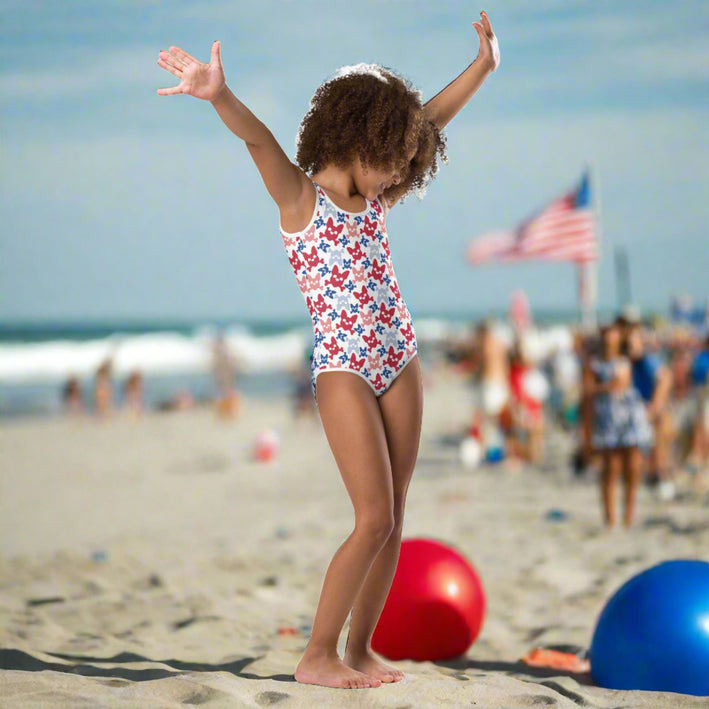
{"x":620,"y":429}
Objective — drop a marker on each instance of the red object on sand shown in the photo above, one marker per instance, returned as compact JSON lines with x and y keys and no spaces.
{"x":266,"y":447}
{"x":556,"y":660}
{"x":287,"y":630}
{"x":435,"y":607}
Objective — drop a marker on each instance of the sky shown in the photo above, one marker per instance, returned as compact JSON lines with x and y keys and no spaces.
{"x":116,"y":203}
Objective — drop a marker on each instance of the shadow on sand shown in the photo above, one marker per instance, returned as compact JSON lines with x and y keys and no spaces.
{"x":12,"y":659}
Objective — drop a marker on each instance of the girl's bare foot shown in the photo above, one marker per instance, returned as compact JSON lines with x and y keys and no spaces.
{"x":374,"y":667}
{"x":332,"y":672}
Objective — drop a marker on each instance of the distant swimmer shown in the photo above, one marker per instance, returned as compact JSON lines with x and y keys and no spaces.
{"x":103,"y":390}
{"x":73,"y":397}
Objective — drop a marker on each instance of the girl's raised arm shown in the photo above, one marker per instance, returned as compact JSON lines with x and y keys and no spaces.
{"x":445,"y":104}
{"x":286,"y":183}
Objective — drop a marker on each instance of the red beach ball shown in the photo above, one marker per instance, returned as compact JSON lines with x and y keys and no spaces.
{"x":436,"y":605}
{"x":266,"y":447}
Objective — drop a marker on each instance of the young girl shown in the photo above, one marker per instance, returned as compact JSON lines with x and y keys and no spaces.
{"x":620,"y":430}
{"x":366,"y":142}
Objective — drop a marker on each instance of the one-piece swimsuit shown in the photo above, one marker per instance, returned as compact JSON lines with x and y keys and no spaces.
{"x":342,"y":263}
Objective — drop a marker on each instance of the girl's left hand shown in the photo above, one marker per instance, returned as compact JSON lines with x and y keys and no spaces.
{"x":489,"y":52}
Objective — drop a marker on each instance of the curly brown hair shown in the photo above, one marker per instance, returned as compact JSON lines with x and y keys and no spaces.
{"x":377,"y":116}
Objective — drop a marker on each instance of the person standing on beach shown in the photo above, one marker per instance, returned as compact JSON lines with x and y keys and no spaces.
{"x":224,"y":367}
{"x":366,"y":142}
{"x":134,"y":394}
{"x":73,"y":397}
{"x":492,"y":383}
{"x":653,"y":381}
{"x":527,"y":406}
{"x":699,"y":451}
{"x":103,"y":390}
{"x":619,"y":425}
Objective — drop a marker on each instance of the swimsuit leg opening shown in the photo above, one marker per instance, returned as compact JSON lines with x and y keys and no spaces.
{"x":318,"y":372}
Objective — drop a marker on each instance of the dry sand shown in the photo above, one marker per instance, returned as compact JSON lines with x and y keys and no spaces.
{"x":151,"y":563}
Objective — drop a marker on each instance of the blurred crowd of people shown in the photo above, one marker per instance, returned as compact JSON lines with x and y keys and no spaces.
{"x":102,"y":400}
{"x":103,"y":396}
{"x":634,"y":393}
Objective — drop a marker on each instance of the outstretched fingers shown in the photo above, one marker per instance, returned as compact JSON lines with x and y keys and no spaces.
{"x":175,"y":61}
{"x":171,"y":91}
{"x":216,"y":53}
{"x":182,"y":56}
{"x":169,"y":63}
{"x":485,"y":20}
{"x":489,"y":47}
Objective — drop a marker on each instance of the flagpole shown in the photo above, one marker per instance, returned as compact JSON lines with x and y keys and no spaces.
{"x":588,"y":271}
{"x":623,"y":285}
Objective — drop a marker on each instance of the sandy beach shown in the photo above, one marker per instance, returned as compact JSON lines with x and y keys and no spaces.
{"x":153,"y":563}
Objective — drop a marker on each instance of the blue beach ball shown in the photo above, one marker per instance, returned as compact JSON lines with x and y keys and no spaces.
{"x":653,"y":634}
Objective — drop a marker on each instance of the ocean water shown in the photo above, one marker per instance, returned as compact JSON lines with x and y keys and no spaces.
{"x":37,"y":359}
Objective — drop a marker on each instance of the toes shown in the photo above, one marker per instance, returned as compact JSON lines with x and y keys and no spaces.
{"x":362,"y":682}
{"x":393,"y":676}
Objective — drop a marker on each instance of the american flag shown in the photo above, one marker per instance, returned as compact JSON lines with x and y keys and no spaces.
{"x":563,"y":231}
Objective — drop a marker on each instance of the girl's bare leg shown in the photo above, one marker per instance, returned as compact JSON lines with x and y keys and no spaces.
{"x":354,"y":427}
{"x":612,"y":468}
{"x":536,"y":441}
{"x":401,"y":407}
{"x":633,"y":468}
{"x":661,"y":456}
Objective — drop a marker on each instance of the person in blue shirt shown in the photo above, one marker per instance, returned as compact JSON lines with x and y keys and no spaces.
{"x":699,"y":454}
{"x":700,"y":368}
{"x":653,"y":381}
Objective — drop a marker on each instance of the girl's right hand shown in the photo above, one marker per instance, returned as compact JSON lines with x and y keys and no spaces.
{"x":197,"y":79}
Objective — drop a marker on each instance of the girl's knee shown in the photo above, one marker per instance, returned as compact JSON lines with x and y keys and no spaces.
{"x":375,"y":527}
{"x":398,"y":518}
{"x":397,"y":530}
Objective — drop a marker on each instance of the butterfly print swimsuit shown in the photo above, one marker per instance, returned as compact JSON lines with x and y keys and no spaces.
{"x":342,"y":263}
